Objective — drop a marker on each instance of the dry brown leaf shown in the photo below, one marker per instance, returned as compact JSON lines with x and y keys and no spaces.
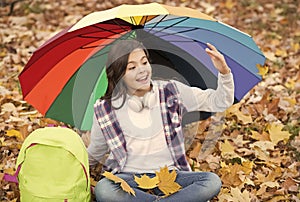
{"x":243,"y":118}
{"x":230,"y":174}
{"x":273,"y":106}
{"x":194,"y":153}
{"x":260,"y":136}
{"x":290,"y":185}
{"x":239,"y":196}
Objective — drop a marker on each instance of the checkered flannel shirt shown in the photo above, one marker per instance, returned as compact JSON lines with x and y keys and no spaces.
{"x":172,"y":111}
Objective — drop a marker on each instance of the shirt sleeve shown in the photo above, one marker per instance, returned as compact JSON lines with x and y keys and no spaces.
{"x":98,"y":147}
{"x":209,"y":100}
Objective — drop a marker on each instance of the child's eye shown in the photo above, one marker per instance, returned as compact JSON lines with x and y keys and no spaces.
{"x":131,"y":68}
{"x":146,"y":62}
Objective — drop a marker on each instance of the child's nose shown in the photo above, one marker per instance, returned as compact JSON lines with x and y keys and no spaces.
{"x":142,"y":68}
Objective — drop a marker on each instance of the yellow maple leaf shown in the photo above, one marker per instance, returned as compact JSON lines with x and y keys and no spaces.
{"x":227,"y":150}
{"x":116,"y":179}
{"x":262,"y":70}
{"x":226,"y":147}
{"x":146,"y":182}
{"x":277,"y":134}
{"x":167,"y":182}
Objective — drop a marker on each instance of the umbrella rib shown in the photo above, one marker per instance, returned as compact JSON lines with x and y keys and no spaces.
{"x":184,"y":31}
{"x":122,"y":27}
{"x":169,"y":26}
{"x":113,"y":33}
{"x":101,"y":28}
{"x":158,"y":22}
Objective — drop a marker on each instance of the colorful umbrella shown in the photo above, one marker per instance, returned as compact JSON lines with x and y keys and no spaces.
{"x":66,"y":75}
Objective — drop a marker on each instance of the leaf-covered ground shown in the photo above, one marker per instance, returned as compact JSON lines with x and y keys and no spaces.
{"x":254,"y":147}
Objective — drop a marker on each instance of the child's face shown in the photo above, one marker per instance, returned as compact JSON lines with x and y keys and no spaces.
{"x":138,"y":73}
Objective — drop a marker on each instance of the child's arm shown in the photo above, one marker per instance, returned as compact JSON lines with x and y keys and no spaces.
{"x":98,"y":147}
{"x":217,"y":59}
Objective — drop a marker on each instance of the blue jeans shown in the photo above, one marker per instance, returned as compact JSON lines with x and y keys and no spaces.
{"x":196,"y":186}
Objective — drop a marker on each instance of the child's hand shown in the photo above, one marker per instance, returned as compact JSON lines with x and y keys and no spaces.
{"x":217,"y":59}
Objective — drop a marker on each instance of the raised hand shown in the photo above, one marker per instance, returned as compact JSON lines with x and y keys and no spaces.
{"x":217,"y":59}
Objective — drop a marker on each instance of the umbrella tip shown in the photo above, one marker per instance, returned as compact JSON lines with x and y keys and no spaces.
{"x":137,"y":27}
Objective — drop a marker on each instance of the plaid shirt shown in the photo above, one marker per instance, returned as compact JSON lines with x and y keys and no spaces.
{"x":172,"y":111}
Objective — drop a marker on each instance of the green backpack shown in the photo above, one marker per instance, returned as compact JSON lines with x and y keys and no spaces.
{"x":53,"y":166}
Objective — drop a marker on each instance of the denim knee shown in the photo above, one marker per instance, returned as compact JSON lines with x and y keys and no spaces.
{"x":215,"y":182}
{"x":103,"y":190}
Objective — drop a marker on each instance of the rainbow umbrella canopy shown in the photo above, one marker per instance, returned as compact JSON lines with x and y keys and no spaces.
{"x":66,"y":75}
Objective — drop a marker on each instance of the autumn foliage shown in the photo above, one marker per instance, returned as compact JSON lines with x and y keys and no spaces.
{"x":254,"y":146}
{"x":163,"y":180}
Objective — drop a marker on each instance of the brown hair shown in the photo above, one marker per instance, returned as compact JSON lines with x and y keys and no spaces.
{"x":116,"y":65}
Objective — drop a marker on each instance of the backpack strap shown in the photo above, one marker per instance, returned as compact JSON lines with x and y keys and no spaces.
{"x":12,"y":178}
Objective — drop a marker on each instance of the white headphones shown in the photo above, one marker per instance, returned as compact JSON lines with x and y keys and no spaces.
{"x":137,"y":104}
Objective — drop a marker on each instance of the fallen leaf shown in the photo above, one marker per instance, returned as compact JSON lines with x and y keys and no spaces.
{"x":247,"y":167}
{"x":93,"y":182}
{"x":277,"y":134}
{"x":264,"y":145}
{"x":270,"y":184}
{"x":230,"y":174}
{"x":234,"y":110}
{"x":145,"y":182}
{"x":14,"y":133}
{"x":262,"y":70}
{"x":260,"y":136}
{"x":240,"y":196}
{"x":228,"y":150}
{"x":9,"y":107}
{"x":196,"y":150}
{"x":167,"y":182}
{"x":290,"y":185}
{"x":273,"y":106}
{"x":280,"y":198}
{"x":123,"y":183}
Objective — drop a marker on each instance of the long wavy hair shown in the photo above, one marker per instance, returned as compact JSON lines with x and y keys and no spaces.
{"x":116,"y":65}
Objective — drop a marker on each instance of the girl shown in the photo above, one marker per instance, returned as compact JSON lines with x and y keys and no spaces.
{"x":138,"y":121}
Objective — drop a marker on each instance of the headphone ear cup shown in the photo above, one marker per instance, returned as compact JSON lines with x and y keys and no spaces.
{"x":149,"y":99}
{"x":135,"y":103}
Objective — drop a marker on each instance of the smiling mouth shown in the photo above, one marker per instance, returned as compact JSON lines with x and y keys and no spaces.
{"x":143,"y":79}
